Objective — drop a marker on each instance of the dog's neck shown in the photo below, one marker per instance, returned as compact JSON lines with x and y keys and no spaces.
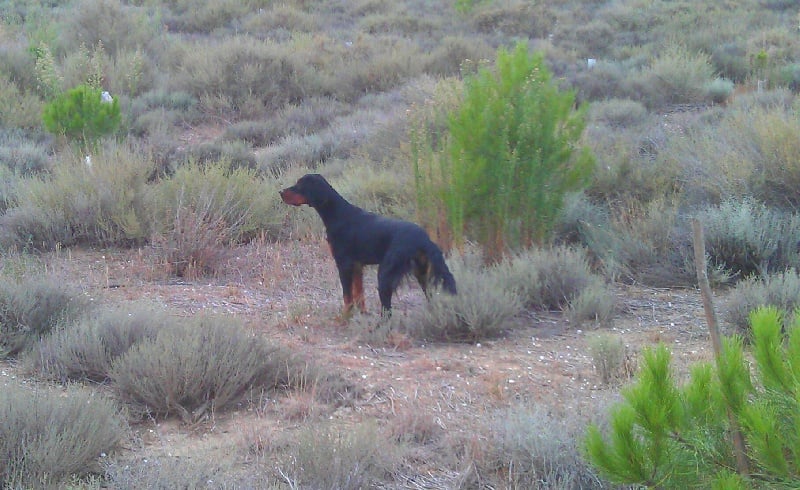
{"x":333,"y":208}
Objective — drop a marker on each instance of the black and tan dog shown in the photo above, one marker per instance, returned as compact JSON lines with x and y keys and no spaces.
{"x":358,"y":238}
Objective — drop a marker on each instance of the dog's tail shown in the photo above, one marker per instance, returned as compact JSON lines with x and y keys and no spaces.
{"x":441,"y":275}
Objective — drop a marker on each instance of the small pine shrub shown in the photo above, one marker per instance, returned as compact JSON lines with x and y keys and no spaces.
{"x":779,"y":290}
{"x":46,"y":437}
{"x":86,"y":349}
{"x":343,"y":458}
{"x":670,"y":436}
{"x":509,"y":156}
{"x":32,"y":308}
{"x":195,"y":367}
{"x":81,"y":115}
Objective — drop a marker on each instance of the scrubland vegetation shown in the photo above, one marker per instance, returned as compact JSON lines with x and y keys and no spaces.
{"x":557,"y":151}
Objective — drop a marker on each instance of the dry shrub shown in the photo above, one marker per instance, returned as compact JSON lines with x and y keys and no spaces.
{"x":608,"y":355}
{"x":781,"y":290}
{"x":453,"y":52}
{"x":515,"y":18}
{"x":315,"y":114}
{"x":550,"y":278}
{"x":86,"y":349}
{"x":194,"y":367}
{"x":645,"y":243}
{"x":676,"y":76}
{"x":201,"y":210}
{"x":533,"y":449}
{"x":558,"y":278}
{"x":483,"y":307}
{"x":22,"y":154}
{"x":372,"y":64}
{"x":415,"y":426}
{"x":21,"y":109}
{"x":345,"y":458}
{"x":618,"y":113}
{"x":747,"y":237}
{"x":33,"y":307}
{"x":242,"y":73}
{"x":100,"y":203}
{"x":48,"y":436}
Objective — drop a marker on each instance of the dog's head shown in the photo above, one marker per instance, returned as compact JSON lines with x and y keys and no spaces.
{"x":311,"y":189}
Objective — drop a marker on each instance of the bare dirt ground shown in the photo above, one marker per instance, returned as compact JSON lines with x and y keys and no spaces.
{"x":289,"y":292}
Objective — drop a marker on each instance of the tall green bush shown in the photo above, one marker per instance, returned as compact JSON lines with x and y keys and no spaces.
{"x":82,"y":116}
{"x":509,"y":155}
{"x":665,"y":436}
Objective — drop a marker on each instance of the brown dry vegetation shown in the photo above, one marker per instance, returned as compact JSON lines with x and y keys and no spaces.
{"x":693,"y":113}
{"x":450,"y":397}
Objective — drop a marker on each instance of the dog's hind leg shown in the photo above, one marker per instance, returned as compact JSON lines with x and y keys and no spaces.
{"x":389,"y":276}
{"x":421,"y":267}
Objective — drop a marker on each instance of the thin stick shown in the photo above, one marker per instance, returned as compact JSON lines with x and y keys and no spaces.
{"x":713,"y":330}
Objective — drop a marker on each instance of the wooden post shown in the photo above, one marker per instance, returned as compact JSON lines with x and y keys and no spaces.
{"x":711,"y":317}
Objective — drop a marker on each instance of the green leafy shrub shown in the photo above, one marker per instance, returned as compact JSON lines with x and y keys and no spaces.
{"x":82,"y":116}
{"x":669,"y":436}
{"x":47,"y":436}
{"x":33,"y":307}
{"x":195,"y":367}
{"x":507,"y":159}
{"x":86,"y":349}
